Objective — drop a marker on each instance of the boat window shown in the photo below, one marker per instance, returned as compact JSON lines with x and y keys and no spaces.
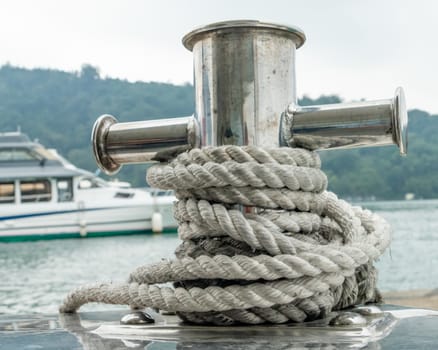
{"x":124,"y":195}
{"x":43,"y":153}
{"x":65,"y":190}
{"x":16,"y":154}
{"x":35,"y":191}
{"x":89,"y":182}
{"x":7,"y":192}
{"x":162,"y":193}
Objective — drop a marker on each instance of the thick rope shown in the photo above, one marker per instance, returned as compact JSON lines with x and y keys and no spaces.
{"x":295,"y":252}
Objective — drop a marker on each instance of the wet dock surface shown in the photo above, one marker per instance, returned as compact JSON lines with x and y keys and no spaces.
{"x":396,"y":328}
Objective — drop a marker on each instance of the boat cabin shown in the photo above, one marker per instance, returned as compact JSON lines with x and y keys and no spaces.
{"x":31,"y":173}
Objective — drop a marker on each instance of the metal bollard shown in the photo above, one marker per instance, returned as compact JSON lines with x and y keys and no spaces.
{"x":244,"y":77}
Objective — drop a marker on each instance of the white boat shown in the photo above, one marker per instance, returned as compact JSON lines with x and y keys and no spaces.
{"x":44,"y":196}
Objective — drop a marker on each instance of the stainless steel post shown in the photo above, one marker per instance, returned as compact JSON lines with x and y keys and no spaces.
{"x":244,"y":74}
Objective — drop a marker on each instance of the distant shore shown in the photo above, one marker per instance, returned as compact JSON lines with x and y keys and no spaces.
{"x":421,"y":298}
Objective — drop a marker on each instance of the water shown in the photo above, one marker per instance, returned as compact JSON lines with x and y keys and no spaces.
{"x":35,"y":276}
{"x":412,"y":260}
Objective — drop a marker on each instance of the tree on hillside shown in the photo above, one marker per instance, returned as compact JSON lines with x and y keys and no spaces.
{"x":89,"y":73}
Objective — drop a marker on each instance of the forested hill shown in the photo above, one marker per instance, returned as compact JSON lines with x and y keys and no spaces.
{"x":59,"y":108}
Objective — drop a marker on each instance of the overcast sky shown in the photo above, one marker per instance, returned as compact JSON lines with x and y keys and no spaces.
{"x":357,"y":49}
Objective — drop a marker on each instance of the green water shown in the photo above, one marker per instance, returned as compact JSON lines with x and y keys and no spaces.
{"x":35,"y":276}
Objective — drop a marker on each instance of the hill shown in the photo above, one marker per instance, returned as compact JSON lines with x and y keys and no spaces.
{"x":59,"y":108}
{"x":380,"y":172}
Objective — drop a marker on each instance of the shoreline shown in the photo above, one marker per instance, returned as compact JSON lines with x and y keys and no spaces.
{"x":420,"y":298}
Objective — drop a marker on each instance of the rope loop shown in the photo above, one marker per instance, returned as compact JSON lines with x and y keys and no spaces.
{"x":263,"y":241}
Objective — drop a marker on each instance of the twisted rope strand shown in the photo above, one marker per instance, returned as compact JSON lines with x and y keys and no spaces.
{"x":237,"y":267}
{"x":180,"y":177}
{"x":202,"y":299}
{"x":246,"y":154}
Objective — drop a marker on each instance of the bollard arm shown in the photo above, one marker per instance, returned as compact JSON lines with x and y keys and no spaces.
{"x":98,"y":137}
{"x":115,"y":144}
{"x":347,"y":125}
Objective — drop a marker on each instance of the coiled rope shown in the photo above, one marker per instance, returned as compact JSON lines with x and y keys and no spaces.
{"x":294,"y":253}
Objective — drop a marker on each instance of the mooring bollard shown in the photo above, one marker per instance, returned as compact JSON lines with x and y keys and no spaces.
{"x":244,"y":77}
{"x":267,"y":197}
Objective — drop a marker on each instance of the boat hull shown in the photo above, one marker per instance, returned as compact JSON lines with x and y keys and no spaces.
{"x":74,"y":222}
{"x":66,"y":235}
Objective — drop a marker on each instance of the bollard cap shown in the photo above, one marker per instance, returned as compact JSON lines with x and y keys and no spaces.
{"x":98,"y":138}
{"x":400,"y":134}
{"x":191,"y":38}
